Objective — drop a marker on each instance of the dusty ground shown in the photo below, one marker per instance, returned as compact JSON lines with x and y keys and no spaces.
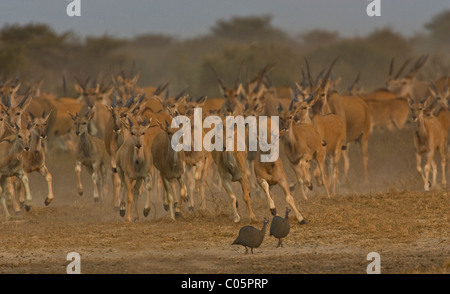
{"x":408,"y":228}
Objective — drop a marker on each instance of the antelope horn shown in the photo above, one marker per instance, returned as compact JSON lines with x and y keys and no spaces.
{"x":310,"y":79}
{"x":22,"y":102}
{"x":217,"y":76}
{"x":402,"y":68}
{"x":181,"y":93}
{"x":130,"y":101}
{"x":114,"y":100}
{"x":238,"y":77}
{"x":353,"y":86}
{"x":327,"y":76}
{"x":391,"y":67}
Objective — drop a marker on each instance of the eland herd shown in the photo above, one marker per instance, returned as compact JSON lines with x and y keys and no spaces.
{"x":122,"y":133}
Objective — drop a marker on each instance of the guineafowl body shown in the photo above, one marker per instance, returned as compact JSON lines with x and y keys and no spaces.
{"x":279,"y":227}
{"x":251,"y":237}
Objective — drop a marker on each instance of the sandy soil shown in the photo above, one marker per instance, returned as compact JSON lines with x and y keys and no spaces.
{"x":408,"y":228}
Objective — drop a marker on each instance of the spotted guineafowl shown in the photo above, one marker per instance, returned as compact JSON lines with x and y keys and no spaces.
{"x":279,"y":227}
{"x":250,"y":236}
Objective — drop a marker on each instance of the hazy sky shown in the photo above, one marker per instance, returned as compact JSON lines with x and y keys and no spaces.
{"x":189,"y":18}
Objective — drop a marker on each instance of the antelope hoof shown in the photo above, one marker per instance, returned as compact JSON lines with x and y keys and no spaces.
{"x":80,"y":193}
{"x":175,"y":205}
{"x":166,"y":207}
{"x":27,"y":207}
{"x":48,"y":201}
{"x":186,"y":199}
{"x":310,"y":186}
{"x":191,"y":208}
{"x":303,"y":222}
{"x":122,"y":212}
{"x":292,"y":187}
{"x":114,"y":170}
{"x":273,"y":211}
{"x":237,"y":206}
{"x":177,"y":214}
{"x":146,"y":211}
{"x":96,"y":199}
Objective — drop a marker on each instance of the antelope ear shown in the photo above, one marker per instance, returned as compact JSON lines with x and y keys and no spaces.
{"x":16,"y":88}
{"x":48,"y":115}
{"x":72,"y":116}
{"x":160,"y":125}
{"x":427,"y":102}
{"x":240,"y":89}
{"x":78,"y":89}
{"x":91,"y":115}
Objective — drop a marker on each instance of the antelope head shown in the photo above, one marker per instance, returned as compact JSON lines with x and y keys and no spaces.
{"x":22,"y":135}
{"x":441,"y":99}
{"x":40,"y":123}
{"x":82,"y":122}
{"x":418,"y":109}
{"x":137,"y":131}
{"x":403,"y":85}
{"x":232,"y":103}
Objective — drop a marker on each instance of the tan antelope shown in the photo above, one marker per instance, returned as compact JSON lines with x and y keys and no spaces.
{"x":93,"y":98}
{"x":272,"y":173}
{"x":232,"y":103}
{"x":441,"y":111}
{"x":331,"y":129}
{"x":302,"y":144}
{"x":115,"y":135}
{"x":90,"y":153}
{"x":428,"y":137}
{"x":34,"y":159}
{"x":11,"y":162}
{"x":134,"y":164}
{"x":354,"y":111}
{"x":408,"y":85}
{"x":197,"y":162}
{"x":170,"y":164}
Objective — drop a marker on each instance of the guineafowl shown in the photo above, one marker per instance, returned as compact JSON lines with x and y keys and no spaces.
{"x":250,"y":236}
{"x":279,"y":228}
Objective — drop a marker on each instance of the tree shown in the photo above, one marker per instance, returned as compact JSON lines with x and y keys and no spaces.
{"x":248,"y":29}
{"x":439,"y":27}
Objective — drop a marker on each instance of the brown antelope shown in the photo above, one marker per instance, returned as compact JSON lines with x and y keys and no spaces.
{"x":115,"y":135}
{"x":197,"y":162}
{"x":231,"y":95}
{"x":273,"y":173}
{"x":170,"y":164}
{"x":386,"y":109}
{"x":90,"y":153}
{"x":428,"y":138}
{"x":331,"y":128}
{"x":93,"y":100}
{"x":408,"y":85}
{"x":133,"y":163}
{"x":302,"y":143}
{"x":441,"y":111}
{"x":34,"y":159}
{"x":11,"y":162}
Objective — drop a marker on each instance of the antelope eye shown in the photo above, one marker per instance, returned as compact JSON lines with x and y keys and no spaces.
{"x":18,"y":113}
{"x":84,"y":123}
{"x":19,"y":136}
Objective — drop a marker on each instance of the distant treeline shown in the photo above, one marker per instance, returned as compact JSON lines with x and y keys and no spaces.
{"x":36,"y":51}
